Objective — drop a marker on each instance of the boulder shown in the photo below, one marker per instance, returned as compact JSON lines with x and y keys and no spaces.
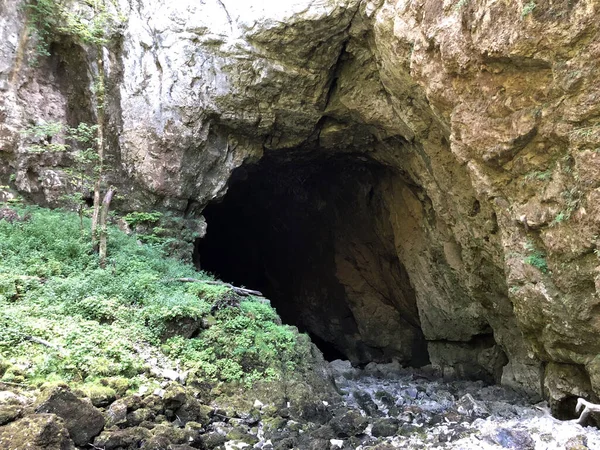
{"x":129,"y":438}
{"x":83,"y":421}
{"x":36,"y":432}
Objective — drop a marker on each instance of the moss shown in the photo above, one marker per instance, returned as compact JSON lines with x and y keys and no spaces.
{"x":99,"y":394}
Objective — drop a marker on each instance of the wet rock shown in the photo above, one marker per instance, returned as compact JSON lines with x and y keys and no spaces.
{"x":174,"y":396}
{"x":316,"y":412}
{"x":126,"y":439}
{"x":138,"y":416}
{"x":384,"y":427}
{"x":242,"y":435}
{"x":513,"y":439}
{"x":193,"y":411}
{"x":8,"y":413}
{"x":348,"y":423}
{"x":577,"y":443}
{"x":83,"y":421}
{"x":366,"y":403}
{"x":116,"y":414}
{"x":38,"y":431}
{"x":468,"y":406}
{"x":386,"y":398}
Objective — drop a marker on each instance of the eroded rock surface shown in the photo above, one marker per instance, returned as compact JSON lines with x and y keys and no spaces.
{"x":483,"y":115}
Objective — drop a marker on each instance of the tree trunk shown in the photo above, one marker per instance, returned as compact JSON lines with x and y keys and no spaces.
{"x":100,"y":122}
{"x":103,"y":229}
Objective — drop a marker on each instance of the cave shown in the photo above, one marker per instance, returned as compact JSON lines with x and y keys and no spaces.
{"x":312,"y":232}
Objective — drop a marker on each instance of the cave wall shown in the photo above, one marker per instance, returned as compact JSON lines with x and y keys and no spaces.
{"x":487,"y":112}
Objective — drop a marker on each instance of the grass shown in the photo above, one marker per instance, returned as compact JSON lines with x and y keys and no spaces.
{"x":62,"y":318}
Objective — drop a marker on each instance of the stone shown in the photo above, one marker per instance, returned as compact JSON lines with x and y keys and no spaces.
{"x":468,"y":406}
{"x":348,"y":423}
{"x":116,"y":414}
{"x":10,"y":398}
{"x":513,"y":439}
{"x":214,"y":439}
{"x":83,"y":421}
{"x":126,"y":438}
{"x":8,"y":413}
{"x":38,"y":431}
{"x":384,"y":427}
{"x":175,"y":396}
{"x":577,"y":443}
{"x":366,"y":403}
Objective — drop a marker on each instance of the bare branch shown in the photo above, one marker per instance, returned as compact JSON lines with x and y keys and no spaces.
{"x":238,"y":290}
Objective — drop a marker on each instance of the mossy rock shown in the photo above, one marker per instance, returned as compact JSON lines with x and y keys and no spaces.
{"x":100,"y":395}
{"x":241,"y":435}
{"x":9,"y":413}
{"x":39,"y":431}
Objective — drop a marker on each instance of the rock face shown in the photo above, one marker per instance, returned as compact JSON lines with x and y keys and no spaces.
{"x":410,"y":174}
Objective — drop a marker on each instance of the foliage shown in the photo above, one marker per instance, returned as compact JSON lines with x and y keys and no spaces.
{"x":97,"y":320}
{"x":460,"y":4}
{"x":539,"y":175}
{"x":46,"y":17}
{"x":242,"y":345}
{"x":528,"y":8}
{"x":42,"y":17}
{"x":135,"y":218}
{"x":536,"y":258}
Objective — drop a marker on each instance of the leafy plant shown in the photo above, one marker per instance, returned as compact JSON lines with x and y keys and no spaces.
{"x":136,"y":218}
{"x":528,"y":8}
{"x":536,"y":258}
{"x":42,"y":18}
{"x":460,"y":4}
{"x":539,"y":175}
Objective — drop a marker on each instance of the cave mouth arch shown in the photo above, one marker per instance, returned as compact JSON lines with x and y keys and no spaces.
{"x":312,"y":233}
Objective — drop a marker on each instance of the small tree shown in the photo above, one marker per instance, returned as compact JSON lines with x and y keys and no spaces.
{"x":93,"y":31}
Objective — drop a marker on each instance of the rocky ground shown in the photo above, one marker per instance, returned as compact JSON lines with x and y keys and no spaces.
{"x":381,"y":407}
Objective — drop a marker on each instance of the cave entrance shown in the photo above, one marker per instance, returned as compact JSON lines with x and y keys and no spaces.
{"x":313,"y":234}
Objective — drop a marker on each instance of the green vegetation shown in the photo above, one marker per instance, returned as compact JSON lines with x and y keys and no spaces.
{"x":460,"y":4}
{"x":42,"y":18}
{"x":539,"y":175}
{"x":536,"y":258}
{"x":62,"y":318}
{"x":528,"y":9}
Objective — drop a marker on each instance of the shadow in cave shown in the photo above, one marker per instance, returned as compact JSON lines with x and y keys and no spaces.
{"x":311,"y":233}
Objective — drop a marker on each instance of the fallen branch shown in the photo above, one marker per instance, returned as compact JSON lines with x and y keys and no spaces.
{"x":42,"y":342}
{"x":8,"y":383}
{"x":588,"y":408}
{"x":45,"y":343}
{"x":238,"y":290}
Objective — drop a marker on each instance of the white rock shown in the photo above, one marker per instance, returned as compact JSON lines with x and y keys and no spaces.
{"x":258,"y":404}
{"x":339,"y":443}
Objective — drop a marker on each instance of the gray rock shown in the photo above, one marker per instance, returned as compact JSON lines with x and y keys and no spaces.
{"x":513,"y":439}
{"x":366,"y":403}
{"x":468,"y":406}
{"x":384,"y":427}
{"x":348,"y":423}
{"x":128,"y":438}
{"x":83,"y":421}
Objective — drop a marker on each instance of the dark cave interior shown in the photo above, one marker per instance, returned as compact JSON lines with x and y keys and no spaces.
{"x":306,"y":230}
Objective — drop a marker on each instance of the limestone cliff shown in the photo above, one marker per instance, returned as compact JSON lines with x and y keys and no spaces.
{"x":438,"y":159}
